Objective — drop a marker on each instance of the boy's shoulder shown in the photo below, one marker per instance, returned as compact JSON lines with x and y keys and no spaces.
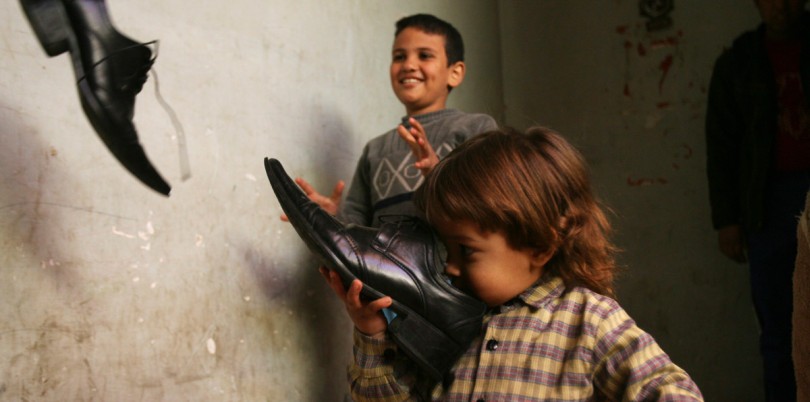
{"x":554,"y":294}
{"x":454,"y":115}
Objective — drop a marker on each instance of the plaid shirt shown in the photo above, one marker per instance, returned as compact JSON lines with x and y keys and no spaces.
{"x":550,"y":343}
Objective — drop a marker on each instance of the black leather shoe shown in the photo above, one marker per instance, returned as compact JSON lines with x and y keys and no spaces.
{"x":110,"y":70}
{"x":435,"y":322}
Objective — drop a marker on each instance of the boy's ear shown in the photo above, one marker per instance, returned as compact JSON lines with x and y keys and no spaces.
{"x":457,"y":71}
{"x":540,"y":257}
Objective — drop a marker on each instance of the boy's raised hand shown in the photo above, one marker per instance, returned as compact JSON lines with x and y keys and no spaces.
{"x":366,"y":315}
{"x":329,"y":204}
{"x":416,"y":138}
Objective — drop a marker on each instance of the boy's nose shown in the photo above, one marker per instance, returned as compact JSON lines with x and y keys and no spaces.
{"x":451,"y":269}
{"x":410,"y":63}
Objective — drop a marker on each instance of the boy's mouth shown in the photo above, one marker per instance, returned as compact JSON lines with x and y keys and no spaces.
{"x":410,"y":80}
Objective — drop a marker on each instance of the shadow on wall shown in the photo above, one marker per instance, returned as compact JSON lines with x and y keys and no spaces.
{"x":45,"y":330}
{"x":317,"y":318}
{"x":30,"y":215}
{"x":320,"y":316}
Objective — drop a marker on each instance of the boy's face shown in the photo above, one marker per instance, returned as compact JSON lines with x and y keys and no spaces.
{"x":420,"y":75}
{"x":485,"y":265}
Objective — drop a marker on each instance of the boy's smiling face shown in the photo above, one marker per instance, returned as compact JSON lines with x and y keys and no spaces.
{"x":420,"y":75}
{"x":485,"y":265}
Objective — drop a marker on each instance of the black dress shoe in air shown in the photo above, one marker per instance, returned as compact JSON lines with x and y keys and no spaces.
{"x":403,"y":259}
{"x":110,"y":70}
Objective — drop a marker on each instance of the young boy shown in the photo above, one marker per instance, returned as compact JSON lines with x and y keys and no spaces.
{"x":525,"y":235}
{"x":427,"y":63}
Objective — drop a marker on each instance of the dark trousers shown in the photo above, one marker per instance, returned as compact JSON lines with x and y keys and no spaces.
{"x":772,"y":259}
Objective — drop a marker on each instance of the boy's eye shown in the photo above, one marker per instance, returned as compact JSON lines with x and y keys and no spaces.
{"x":465,"y":251}
{"x":425,"y":55}
{"x":399,"y":57}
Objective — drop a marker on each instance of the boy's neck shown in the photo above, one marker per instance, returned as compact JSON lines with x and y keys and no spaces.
{"x":411,"y":113}
{"x":423,"y":115}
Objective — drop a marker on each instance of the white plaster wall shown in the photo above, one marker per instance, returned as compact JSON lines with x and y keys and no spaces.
{"x":634,"y":102}
{"x":109,"y":291}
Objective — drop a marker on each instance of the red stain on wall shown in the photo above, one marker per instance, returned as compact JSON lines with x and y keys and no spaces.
{"x":670,"y":41}
{"x":689,"y":151}
{"x":665,"y":65}
{"x":645,"y":181}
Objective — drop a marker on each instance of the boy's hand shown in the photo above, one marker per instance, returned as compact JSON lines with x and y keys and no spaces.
{"x":366,"y":316}
{"x":732,"y":242}
{"x":329,"y":204}
{"x":416,"y":138}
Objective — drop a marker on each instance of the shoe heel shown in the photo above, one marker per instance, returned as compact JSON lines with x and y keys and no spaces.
{"x":431,"y":348}
{"x":50,"y":23}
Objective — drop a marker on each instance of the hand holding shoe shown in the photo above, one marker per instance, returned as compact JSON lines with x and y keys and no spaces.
{"x":404,"y":259}
{"x":329,"y":204}
{"x":366,"y":315}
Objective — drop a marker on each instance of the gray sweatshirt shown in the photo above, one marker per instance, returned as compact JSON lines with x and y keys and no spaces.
{"x":385,"y":179}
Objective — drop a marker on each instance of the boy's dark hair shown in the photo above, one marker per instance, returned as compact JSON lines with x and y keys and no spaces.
{"x":534,"y":188}
{"x":453,"y":45}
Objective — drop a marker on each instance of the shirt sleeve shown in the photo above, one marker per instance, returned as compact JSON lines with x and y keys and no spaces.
{"x":476,"y":124}
{"x":373,"y":373}
{"x":488,"y":124}
{"x":632,"y":367}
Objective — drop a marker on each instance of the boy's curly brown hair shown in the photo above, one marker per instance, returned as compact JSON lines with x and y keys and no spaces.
{"x":534,"y":188}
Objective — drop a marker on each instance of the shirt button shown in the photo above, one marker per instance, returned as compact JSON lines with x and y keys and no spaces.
{"x":389,"y":355}
{"x":492,"y":345}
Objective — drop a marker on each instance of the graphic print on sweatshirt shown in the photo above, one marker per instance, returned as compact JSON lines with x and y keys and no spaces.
{"x":393,"y":178}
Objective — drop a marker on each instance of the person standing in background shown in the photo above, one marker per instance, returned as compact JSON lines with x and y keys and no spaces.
{"x":758,"y":166}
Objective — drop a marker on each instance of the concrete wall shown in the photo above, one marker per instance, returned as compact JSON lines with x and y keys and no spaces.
{"x":634,"y":102}
{"x":111,"y":292}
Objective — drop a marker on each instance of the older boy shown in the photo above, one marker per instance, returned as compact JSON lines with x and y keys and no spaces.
{"x":427,"y":63}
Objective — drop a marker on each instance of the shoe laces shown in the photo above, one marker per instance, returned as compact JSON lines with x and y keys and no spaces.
{"x":133,"y":83}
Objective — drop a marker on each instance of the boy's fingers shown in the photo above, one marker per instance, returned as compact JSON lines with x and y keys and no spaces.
{"x":353,"y":295}
{"x":333,"y":280}
{"x":308,"y":189}
{"x":405,"y":134}
{"x":338,"y":191}
{"x":381,"y":303}
{"x":415,"y":124}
